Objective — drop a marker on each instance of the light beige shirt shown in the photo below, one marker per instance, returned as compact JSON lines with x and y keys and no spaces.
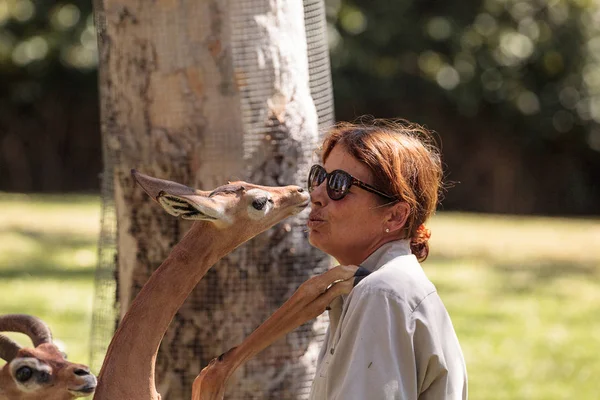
{"x":391,"y":338}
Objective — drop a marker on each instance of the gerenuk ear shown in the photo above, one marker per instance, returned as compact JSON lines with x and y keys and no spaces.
{"x":180,"y":200}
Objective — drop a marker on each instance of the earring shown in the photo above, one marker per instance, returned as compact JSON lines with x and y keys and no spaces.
{"x":387,"y":230}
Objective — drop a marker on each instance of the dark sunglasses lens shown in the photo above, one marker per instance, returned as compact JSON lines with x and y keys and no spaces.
{"x":338,"y":185}
{"x":316,"y":176}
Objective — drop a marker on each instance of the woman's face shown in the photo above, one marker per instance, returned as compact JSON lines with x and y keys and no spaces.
{"x":352,"y":228}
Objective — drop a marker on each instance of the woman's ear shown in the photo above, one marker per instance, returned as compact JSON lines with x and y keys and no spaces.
{"x":397,"y":217}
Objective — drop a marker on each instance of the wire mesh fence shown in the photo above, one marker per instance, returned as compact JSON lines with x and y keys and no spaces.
{"x":277,"y":150}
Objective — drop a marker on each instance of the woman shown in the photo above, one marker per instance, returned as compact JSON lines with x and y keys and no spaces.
{"x":391,"y":337}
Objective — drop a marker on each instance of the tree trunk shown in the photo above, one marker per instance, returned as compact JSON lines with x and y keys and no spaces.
{"x":202,"y":92}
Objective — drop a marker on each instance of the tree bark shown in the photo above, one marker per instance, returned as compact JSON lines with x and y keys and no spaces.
{"x":202,"y":92}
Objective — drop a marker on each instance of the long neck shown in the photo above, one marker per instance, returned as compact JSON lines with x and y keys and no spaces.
{"x":128,"y":368}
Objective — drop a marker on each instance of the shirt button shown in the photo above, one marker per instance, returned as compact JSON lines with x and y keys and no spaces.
{"x":331,"y":351}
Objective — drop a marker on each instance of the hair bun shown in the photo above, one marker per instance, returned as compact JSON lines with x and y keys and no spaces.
{"x":419,"y":243}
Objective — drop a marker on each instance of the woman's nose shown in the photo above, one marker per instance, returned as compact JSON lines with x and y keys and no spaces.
{"x":318,"y":195}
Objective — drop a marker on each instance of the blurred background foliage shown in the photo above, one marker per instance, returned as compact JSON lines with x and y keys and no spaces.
{"x":512,"y":89}
{"x":49,"y":122}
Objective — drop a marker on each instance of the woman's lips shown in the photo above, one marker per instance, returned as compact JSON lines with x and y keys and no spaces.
{"x":314,"y":222}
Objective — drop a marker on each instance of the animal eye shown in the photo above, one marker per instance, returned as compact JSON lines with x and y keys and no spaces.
{"x":23,"y":374}
{"x":259,"y":203}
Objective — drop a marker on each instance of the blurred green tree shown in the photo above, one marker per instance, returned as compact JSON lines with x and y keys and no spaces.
{"x":49,"y":134}
{"x":512,"y":86}
{"x":41,"y":40}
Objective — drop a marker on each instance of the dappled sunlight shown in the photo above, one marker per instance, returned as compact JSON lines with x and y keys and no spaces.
{"x":527,"y":327}
{"x":14,"y":245}
{"x":588,"y":291}
{"x":515,"y":238}
{"x":76,"y":259}
{"x":24,"y":251}
{"x":449,"y":279}
{"x":51,"y":214}
{"x":48,"y":254}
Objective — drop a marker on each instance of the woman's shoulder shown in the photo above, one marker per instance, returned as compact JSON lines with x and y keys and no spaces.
{"x":401,"y":280}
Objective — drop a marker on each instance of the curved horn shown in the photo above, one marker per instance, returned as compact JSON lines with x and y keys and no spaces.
{"x":33,"y":327}
{"x":8,"y":349}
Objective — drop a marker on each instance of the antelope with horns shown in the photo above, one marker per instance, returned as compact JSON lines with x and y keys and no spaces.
{"x":42,"y":372}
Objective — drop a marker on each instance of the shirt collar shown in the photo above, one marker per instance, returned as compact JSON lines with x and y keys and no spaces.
{"x":387,"y":252}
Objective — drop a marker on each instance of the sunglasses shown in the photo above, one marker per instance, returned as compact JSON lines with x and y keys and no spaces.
{"x":339,"y":183}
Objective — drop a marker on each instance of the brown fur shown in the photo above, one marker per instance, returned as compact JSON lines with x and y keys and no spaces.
{"x":225,"y":220}
{"x":53,"y":377}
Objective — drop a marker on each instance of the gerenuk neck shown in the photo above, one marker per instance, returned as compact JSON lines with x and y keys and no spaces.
{"x":128,"y":368}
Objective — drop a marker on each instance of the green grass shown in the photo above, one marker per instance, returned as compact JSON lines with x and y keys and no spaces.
{"x":523,"y":293}
{"x":47,"y":259}
{"x":524,"y":297}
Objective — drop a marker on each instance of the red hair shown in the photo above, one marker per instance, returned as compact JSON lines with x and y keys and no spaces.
{"x":404,"y":161}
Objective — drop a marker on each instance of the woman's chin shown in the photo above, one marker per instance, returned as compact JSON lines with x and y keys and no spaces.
{"x":318,"y":239}
{"x":314,"y":238}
